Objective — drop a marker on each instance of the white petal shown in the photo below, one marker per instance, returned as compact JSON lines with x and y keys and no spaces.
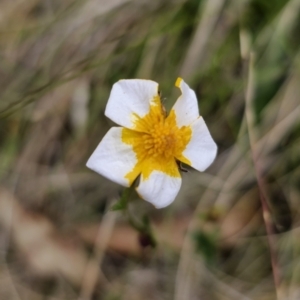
{"x":186,"y":106}
{"x":159,"y":188}
{"x":201,"y":150}
{"x":129,"y":97}
{"x":113,"y":158}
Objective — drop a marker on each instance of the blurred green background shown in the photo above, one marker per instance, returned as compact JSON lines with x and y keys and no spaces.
{"x":59,"y":238}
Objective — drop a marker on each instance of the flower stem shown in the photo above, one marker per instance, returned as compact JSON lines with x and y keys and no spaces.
{"x":146,"y":236}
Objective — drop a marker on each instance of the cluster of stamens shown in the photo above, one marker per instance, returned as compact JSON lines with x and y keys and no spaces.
{"x":161,"y":140}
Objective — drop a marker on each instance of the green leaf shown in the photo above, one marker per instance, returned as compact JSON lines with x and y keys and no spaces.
{"x":122,"y":203}
{"x":206,"y":245}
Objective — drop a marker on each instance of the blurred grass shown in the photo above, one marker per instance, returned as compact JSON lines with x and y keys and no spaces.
{"x":58,"y":61}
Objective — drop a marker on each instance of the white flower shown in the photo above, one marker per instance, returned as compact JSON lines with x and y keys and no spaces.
{"x":150,"y":144}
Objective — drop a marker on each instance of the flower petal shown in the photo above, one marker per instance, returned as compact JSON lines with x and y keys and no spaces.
{"x":112,"y":158}
{"x":201,"y":150}
{"x":130,"y":98}
{"x":159,"y":188}
{"x":186,"y":106}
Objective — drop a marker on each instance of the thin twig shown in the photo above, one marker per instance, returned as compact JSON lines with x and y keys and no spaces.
{"x":270,"y":227}
{"x":93,"y":271}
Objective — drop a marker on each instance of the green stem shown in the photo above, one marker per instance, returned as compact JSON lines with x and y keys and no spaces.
{"x":143,"y":227}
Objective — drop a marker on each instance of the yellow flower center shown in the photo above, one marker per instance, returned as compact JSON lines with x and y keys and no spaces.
{"x":157,"y":142}
{"x":162,"y":140}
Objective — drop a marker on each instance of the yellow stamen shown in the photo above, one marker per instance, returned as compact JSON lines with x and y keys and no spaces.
{"x":157,"y":142}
